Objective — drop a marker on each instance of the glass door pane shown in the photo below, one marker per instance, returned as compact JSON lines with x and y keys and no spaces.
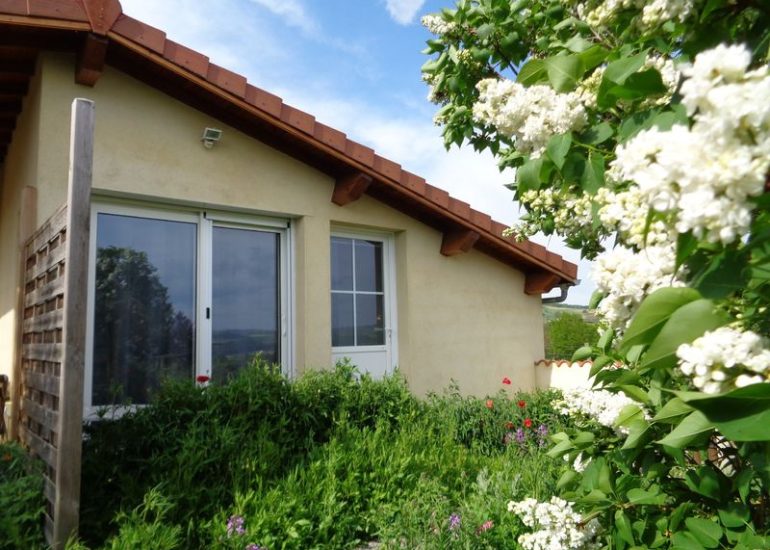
{"x":144,"y":304}
{"x":245,"y":309}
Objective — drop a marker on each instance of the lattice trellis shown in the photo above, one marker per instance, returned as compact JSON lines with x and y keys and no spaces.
{"x":42,"y":349}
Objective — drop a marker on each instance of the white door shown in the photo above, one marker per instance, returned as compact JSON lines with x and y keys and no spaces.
{"x":363,"y":298}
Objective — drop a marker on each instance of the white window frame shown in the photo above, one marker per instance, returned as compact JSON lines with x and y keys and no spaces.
{"x":388,"y":285}
{"x":205,"y":220}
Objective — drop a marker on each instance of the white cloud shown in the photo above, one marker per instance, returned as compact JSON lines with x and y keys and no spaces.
{"x":292,"y":11}
{"x":403,"y":11}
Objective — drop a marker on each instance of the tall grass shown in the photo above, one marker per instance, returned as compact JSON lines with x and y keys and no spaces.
{"x":332,"y":460}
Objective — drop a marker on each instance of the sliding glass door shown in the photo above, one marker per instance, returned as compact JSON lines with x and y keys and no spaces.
{"x":181,"y":294}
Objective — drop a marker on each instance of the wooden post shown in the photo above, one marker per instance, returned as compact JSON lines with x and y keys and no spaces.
{"x":67,"y":503}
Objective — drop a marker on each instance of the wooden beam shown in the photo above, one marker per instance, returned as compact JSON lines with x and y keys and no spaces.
{"x":350,"y":188}
{"x":458,"y":241}
{"x":67,"y":503}
{"x":91,"y":57}
{"x":540,"y":282}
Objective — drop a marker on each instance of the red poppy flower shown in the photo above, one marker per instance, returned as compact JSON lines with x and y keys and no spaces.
{"x":507,"y":381}
{"x":509,"y":425}
{"x":522,"y":404}
{"x":202,"y":378}
{"x":527,"y":422}
{"x":490,"y":404}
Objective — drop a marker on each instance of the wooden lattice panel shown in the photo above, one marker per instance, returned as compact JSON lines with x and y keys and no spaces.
{"x":4,"y":396}
{"x":42,"y":348}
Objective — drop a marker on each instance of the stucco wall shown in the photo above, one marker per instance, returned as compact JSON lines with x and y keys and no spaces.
{"x":563,"y":374}
{"x":464,"y":318}
{"x":19,"y":171}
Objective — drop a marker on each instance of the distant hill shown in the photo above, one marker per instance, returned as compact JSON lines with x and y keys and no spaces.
{"x":551,"y":312}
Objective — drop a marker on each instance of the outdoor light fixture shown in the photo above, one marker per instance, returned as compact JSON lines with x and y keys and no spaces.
{"x":210,"y":137}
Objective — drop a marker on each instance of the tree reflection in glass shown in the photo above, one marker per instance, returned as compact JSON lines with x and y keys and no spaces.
{"x":143,"y":307}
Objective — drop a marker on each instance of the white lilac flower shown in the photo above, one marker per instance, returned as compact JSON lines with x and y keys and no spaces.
{"x":600,"y":405}
{"x":572,"y":214}
{"x":531,"y":115}
{"x":436,"y":25}
{"x":653,"y":13}
{"x":557,"y":525}
{"x":626,"y":277}
{"x":724,"y":359}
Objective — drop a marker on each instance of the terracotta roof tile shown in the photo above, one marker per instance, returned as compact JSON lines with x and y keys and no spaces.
{"x":266,"y":101}
{"x":187,"y":58}
{"x":437,"y":195}
{"x":387,"y":167}
{"x":69,"y":10}
{"x":298,"y":119}
{"x":482,"y":220}
{"x":227,"y":80}
{"x":101,"y":13}
{"x":361,"y":153}
{"x":141,"y":33}
{"x":330,"y":136}
{"x":15,"y":7}
{"x":413,"y":182}
{"x":460,"y":208}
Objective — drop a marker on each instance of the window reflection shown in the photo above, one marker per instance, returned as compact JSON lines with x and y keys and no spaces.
{"x":143,"y":306}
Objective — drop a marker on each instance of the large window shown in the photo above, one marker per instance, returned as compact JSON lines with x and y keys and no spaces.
{"x":362,"y":301}
{"x":182,"y":294}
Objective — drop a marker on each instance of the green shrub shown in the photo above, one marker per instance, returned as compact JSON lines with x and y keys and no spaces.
{"x":331,"y":460}
{"x":568,"y":332}
{"x":21,"y":499}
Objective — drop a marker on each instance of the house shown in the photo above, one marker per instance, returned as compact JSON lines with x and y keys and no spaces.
{"x":222,"y":222}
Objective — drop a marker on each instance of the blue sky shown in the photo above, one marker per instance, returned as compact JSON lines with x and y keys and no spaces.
{"x":355,"y":65}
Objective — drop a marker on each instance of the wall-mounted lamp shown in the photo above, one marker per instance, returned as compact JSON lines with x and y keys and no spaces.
{"x":210,"y":137}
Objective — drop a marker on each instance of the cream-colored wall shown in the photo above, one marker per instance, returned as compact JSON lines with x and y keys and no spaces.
{"x":563,"y":374}
{"x":464,"y":318}
{"x":19,"y":170}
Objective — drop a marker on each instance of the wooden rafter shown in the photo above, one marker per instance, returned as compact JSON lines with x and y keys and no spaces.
{"x":91,"y":57}
{"x":350,"y":188}
{"x":458,"y":241}
{"x":540,"y":282}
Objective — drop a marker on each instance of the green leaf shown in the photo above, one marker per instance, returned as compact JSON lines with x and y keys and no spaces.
{"x":734,"y":515}
{"x":705,"y":531}
{"x":687,"y":323}
{"x":653,"y":313}
{"x":557,"y":149}
{"x":675,"y":408}
{"x":618,"y":71}
{"x":639,"y":434}
{"x":582,"y":353}
{"x":592,"y":178}
{"x":635,"y":392}
{"x":564,"y":71}
{"x":485,"y":31}
{"x":623,"y":526}
{"x":567,"y":479}
{"x":628,"y":414}
{"x":592,"y":57}
{"x":533,"y":72}
{"x":635,"y":123}
{"x":597,"y":134}
{"x":695,"y":427}
{"x":528,"y":176}
{"x":681,"y":511}
{"x":686,"y":243}
{"x":596,"y":297}
{"x":642,"y":497}
{"x":724,"y":274}
{"x":740,"y":415}
{"x":684,"y":540}
{"x":707,"y":482}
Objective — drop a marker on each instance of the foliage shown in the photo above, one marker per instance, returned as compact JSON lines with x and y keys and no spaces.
{"x":568,"y":333}
{"x":331,"y":460}
{"x":642,"y":124}
{"x":21,"y":499}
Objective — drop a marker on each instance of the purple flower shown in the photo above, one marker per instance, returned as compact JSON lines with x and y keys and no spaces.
{"x":235,"y":526}
{"x":542,"y":433}
{"x":520,"y":436}
{"x":454,"y":522}
{"x":253,"y":546}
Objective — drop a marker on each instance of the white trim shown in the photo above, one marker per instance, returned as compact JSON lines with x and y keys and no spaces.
{"x":204,"y":220}
{"x":390,"y":300}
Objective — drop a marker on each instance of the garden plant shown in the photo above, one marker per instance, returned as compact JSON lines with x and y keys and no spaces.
{"x":640,"y":133}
